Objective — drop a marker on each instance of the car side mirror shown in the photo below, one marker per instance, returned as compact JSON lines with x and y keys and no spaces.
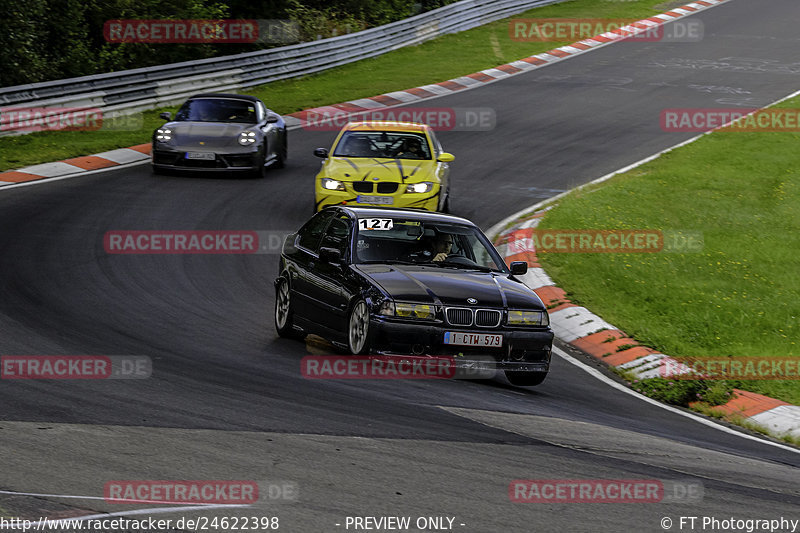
{"x":445,"y":157}
{"x":330,"y":255}
{"x":272,"y":119}
{"x":321,"y":152}
{"x":518,"y":268}
{"x":166,"y":115}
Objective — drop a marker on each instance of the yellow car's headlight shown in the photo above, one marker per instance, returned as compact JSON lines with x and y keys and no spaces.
{"x":425,"y":186}
{"x":331,"y":184}
{"x":528,"y":318}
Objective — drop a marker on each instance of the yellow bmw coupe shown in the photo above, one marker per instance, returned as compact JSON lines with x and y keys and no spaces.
{"x":389,"y":164}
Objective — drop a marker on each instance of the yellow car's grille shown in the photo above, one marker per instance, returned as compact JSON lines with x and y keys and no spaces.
{"x":383,"y":187}
{"x":387,"y":187}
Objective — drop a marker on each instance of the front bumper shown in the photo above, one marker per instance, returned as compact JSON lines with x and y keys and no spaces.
{"x":235,"y":162}
{"x":400,"y":199}
{"x":523,"y":350}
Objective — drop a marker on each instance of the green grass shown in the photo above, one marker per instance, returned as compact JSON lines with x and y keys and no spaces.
{"x":441,"y":59}
{"x":739,"y":295}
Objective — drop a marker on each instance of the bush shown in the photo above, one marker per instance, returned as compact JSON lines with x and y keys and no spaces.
{"x":682,"y":392}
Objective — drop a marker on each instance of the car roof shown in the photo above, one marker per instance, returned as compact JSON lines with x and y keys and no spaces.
{"x":412,"y":214}
{"x":246,"y":97}
{"x":386,"y":126}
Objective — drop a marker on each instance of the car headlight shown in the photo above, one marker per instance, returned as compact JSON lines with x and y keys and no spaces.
{"x":332,"y":185}
{"x":425,"y":186}
{"x":246,"y":138}
{"x":163,"y":135}
{"x":528,"y":318}
{"x":406,"y":310}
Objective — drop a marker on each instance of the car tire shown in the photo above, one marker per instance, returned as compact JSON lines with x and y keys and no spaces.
{"x":283,"y":153}
{"x":525,"y":379}
{"x":358,"y":328}
{"x":284,"y":319}
{"x":261,"y":172}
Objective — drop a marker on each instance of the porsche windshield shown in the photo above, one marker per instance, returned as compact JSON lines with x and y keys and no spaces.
{"x":382,"y":144}
{"x":394,"y":240}
{"x":217,"y":110}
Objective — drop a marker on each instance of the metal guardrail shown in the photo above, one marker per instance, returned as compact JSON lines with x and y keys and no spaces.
{"x":135,"y":90}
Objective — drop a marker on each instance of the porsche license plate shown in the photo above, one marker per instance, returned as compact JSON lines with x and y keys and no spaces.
{"x":383,"y":200}
{"x":473,"y":339}
{"x":209,"y":156}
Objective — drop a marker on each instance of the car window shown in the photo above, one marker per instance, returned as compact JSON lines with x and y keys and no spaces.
{"x":217,"y":110}
{"x":382,"y":144}
{"x":417,"y":241}
{"x":310,"y":235}
{"x":336,"y":235}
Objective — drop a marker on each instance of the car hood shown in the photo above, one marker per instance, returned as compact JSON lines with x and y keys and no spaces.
{"x":384,"y":169}
{"x":200,"y":135}
{"x":447,"y":286}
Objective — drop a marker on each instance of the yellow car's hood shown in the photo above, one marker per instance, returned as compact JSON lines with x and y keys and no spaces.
{"x":397,"y":170}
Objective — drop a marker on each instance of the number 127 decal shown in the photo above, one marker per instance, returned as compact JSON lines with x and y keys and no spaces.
{"x":374,"y":223}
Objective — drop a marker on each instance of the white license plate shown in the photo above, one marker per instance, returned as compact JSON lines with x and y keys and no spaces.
{"x":384,"y":200}
{"x":473,"y":339}
{"x":209,"y":156}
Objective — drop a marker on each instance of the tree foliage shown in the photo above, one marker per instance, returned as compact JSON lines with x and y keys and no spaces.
{"x":45,"y":40}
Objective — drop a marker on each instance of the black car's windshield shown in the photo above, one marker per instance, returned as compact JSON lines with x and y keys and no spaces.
{"x":445,"y":245}
{"x":382,"y":144}
{"x":217,"y":110}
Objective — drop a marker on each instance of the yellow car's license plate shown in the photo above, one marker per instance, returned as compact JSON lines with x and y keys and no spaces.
{"x":383,"y":200}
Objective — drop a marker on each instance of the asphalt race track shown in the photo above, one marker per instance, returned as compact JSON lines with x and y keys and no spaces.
{"x":226,"y":399}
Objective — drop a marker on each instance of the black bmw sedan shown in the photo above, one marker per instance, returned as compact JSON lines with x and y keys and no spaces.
{"x":216,"y":132}
{"x":390,"y":281}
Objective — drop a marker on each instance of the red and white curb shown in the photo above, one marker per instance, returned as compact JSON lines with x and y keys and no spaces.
{"x":588,"y":332}
{"x":77,"y":165}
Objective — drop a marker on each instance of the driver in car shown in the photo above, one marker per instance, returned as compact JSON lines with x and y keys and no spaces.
{"x":442,"y":246}
{"x":411,"y":149}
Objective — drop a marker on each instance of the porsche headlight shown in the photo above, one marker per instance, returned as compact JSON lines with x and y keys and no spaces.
{"x":408,"y":310}
{"x":163,"y":134}
{"x":425,"y":186}
{"x":246,"y":138}
{"x":332,"y":185}
{"x":528,"y":318}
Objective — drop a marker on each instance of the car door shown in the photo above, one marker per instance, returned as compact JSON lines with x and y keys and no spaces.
{"x":328,"y":281}
{"x":303,"y":260}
